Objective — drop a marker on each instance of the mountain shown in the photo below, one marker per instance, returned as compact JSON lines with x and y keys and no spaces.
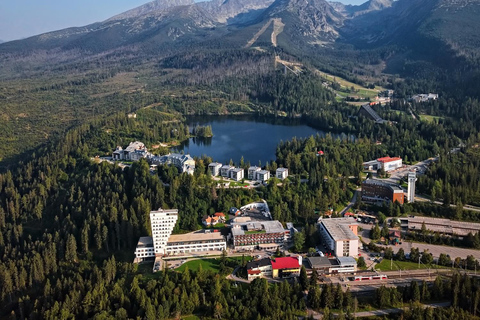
{"x":235,"y":11}
{"x":350,"y":11}
{"x":151,"y":8}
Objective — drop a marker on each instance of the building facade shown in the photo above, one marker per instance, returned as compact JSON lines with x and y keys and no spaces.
{"x":225,"y":170}
{"x":339,"y":235}
{"x":144,"y":249}
{"x":162,"y":223}
{"x":378,"y":191}
{"x":281,"y":173}
{"x":386,"y":163}
{"x":249,"y":235}
{"x":237,"y":174}
{"x":183,"y":162}
{"x":252,"y":172}
{"x":214,"y":168}
{"x":259,"y":268}
{"x":134,"y":152}
{"x":412,"y":178}
{"x":180,"y":244}
{"x":263,"y":175}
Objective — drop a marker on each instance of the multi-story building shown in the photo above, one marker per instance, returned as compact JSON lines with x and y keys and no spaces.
{"x":134,"y":152}
{"x":387,"y":163}
{"x":263,"y":175}
{"x":202,"y":241}
{"x":162,"y":223}
{"x":378,"y":191}
{"x":286,"y":267}
{"x":225,"y":170}
{"x":259,"y":268}
{"x":252,"y":172}
{"x":339,"y":235}
{"x":236,"y":174}
{"x":249,"y":235}
{"x":281,"y":173}
{"x":144,"y":249}
{"x":183,"y":162}
{"x":214,"y":168}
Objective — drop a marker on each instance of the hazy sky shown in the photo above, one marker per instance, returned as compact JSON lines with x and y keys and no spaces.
{"x":24,"y":18}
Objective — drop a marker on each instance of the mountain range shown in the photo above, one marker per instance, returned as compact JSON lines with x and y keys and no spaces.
{"x":432,"y":31}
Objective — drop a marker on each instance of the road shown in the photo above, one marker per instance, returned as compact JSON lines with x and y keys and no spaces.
{"x":351,"y":203}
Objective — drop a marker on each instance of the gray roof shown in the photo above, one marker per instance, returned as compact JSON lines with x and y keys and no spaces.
{"x":254,"y":168}
{"x":215,"y":164}
{"x":381,"y":183}
{"x":346,"y":261}
{"x":338,"y":228}
{"x":239,"y":229}
{"x":258,"y":263}
{"x":282,"y":169}
{"x":319,"y":262}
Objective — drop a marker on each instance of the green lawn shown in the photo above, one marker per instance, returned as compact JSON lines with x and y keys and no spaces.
{"x":238,"y":184}
{"x":211,"y":264}
{"x":207,"y":264}
{"x":428,"y":118}
{"x":403,"y":265}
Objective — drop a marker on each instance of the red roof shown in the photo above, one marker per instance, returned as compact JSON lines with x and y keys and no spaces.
{"x":285,"y":263}
{"x":254,"y":271}
{"x":388,"y":159}
{"x":219,"y":214}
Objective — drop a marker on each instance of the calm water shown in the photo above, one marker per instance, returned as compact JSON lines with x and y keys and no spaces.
{"x":253,"y":138}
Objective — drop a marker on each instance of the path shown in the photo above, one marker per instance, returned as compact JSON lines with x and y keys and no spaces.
{"x":277,"y":29}
{"x":258,"y":34}
{"x":351,"y":203}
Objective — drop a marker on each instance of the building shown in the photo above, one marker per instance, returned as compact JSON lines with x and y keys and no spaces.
{"x":183,"y":162}
{"x":218,"y":217}
{"x":367,"y":111}
{"x":237,"y":174}
{"x":394,"y":237}
{"x":281,"y":173}
{"x":286,"y":267}
{"x":290,"y":230}
{"x":324,"y":265}
{"x":248,"y":235}
{"x":387,"y":163}
{"x":162,"y":223}
{"x":374,"y":191}
{"x":225,"y":170}
{"x":412,"y":177}
{"x":206,"y":241}
{"x":424,"y":97}
{"x":259,"y":268}
{"x":442,"y":226}
{"x":144,"y":249}
{"x":252,"y":172}
{"x":339,"y":235}
{"x":214,"y":168}
{"x":134,"y":152}
{"x":263,"y":175}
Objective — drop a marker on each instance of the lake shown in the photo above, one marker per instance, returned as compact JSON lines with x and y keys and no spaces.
{"x":254,"y":138}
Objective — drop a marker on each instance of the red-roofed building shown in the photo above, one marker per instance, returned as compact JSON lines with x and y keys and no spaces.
{"x":286,"y":267}
{"x":387,"y":163}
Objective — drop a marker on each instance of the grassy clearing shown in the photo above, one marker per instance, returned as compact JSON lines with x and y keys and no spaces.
{"x":210,"y":264}
{"x":428,"y":118}
{"x":345,"y":84}
{"x":387,"y":265}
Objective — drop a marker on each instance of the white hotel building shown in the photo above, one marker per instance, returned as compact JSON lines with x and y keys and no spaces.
{"x":340,"y":236}
{"x":163,"y":242}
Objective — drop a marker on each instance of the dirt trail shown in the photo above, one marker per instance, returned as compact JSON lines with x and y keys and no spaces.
{"x":277,"y":29}
{"x":258,"y":34}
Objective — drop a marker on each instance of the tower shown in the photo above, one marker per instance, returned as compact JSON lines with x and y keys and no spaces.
{"x":162,"y":222}
{"x":412,"y":177}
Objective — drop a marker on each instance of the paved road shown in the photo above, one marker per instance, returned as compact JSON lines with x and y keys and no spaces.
{"x":351,"y":203}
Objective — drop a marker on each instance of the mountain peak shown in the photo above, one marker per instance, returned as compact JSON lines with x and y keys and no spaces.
{"x":151,"y":7}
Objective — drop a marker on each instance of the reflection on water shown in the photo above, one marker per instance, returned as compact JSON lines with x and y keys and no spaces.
{"x":254,"y":138}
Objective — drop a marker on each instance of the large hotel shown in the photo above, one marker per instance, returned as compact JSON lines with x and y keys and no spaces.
{"x":164,"y":243}
{"x":340,"y":236}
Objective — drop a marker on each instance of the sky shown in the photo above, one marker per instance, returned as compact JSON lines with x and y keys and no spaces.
{"x":24,"y":18}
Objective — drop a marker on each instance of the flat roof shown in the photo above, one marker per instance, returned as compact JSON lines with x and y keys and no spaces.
{"x":215,"y":164}
{"x":282,"y":169}
{"x":285,"y":263}
{"x":381,"y":183}
{"x":443,"y":225}
{"x":346,"y":261}
{"x":338,"y":228}
{"x":166,"y":211}
{"x":388,"y":159}
{"x":319,"y":262}
{"x":258,"y":263}
{"x":195,"y":236}
{"x":144,"y":242}
{"x":239,"y":228}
